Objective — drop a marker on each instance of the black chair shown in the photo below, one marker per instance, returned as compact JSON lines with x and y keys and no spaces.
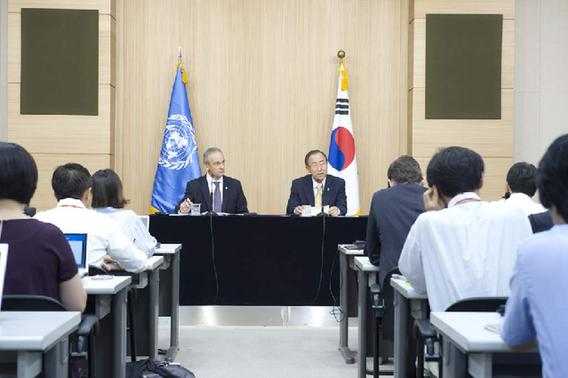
{"x":383,"y":319}
{"x":86,"y":333}
{"x":427,"y":336}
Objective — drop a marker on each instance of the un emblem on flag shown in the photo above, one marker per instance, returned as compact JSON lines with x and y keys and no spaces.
{"x":179,"y":143}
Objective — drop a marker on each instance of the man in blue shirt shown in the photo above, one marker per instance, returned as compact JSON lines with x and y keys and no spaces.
{"x":537,"y":308}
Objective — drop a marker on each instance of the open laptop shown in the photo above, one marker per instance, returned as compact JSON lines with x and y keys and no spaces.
{"x":146,"y":220}
{"x":78,"y":243}
{"x":3,"y":260}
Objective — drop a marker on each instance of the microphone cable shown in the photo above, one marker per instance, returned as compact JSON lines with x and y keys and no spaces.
{"x":336,"y":310}
{"x":213,"y":257}
{"x":321,"y":259}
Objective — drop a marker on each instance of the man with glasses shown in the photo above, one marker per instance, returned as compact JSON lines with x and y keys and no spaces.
{"x":214,"y":191}
{"x":317,"y":189}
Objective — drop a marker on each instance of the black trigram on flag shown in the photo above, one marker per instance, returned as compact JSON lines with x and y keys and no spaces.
{"x":342,"y":106}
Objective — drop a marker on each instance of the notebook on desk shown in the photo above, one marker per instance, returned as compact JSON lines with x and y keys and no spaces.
{"x":78,"y":243}
{"x":3,"y":260}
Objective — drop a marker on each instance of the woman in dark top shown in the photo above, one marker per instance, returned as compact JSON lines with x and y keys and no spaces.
{"x":40,"y":260}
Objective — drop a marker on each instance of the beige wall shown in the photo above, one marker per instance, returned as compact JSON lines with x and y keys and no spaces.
{"x":493,"y":139}
{"x":541,"y":82}
{"x":262,"y":85}
{"x":57,"y":139}
{"x":3,"y":69}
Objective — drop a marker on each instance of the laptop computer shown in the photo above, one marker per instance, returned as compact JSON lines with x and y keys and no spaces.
{"x":78,"y":243}
{"x":146,"y":221}
{"x":3,"y":260}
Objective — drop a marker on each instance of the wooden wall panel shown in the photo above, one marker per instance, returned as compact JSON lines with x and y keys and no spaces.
{"x":105,"y":39}
{"x":493,"y":139}
{"x":57,"y":133}
{"x":505,"y":7}
{"x":490,"y":138}
{"x":262,"y":86}
{"x":507,"y":62}
{"x":104,"y":6}
{"x":59,"y":139}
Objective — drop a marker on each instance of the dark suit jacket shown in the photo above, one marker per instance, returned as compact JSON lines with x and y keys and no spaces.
{"x":393,"y":211}
{"x":302,"y":193}
{"x":234,"y":200}
{"x":541,"y":222}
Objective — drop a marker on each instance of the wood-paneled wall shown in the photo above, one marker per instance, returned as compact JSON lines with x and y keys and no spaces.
{"x":262,"y":86}
{"x":57,"y":139}
{"x":493,"y":139}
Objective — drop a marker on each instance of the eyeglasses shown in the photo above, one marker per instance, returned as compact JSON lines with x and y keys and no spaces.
{"x":322,"y":163}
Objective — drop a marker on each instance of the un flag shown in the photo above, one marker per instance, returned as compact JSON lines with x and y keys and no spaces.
{"x":179,"y":159}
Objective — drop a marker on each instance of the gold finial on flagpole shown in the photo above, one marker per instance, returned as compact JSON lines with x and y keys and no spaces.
{"x":341,"y":54}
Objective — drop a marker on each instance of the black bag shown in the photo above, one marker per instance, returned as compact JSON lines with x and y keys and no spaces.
{"x":156,"y":369}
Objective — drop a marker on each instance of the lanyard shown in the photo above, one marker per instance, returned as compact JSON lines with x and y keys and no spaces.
{"x":471,"y":199}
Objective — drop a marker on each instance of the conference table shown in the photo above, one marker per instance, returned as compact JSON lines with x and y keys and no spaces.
{"x":264,"y":260}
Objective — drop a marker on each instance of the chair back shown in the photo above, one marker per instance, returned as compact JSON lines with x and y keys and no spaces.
{"x":30,"y":303}
{"x":478,"y":304}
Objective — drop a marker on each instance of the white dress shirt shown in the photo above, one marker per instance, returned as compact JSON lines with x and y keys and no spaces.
{"x":525,"y":203}
{"x":133,"y":228}
{"x":467,"y":250}
{"x":211,"y":185}
{"x":104,"y":236}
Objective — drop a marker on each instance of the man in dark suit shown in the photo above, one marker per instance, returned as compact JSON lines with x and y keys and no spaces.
{"x":214,"y":191}
{"x":393,"y":211}
{"x":318,"y":188}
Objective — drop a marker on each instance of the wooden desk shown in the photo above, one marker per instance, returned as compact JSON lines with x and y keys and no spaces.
{"x":38,"y":335}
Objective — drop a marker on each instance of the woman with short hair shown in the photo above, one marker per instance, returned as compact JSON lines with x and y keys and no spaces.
{"x":108,"y":199}
{"x":40,"y":260}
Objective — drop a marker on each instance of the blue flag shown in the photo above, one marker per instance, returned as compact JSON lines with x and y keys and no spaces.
{"x":179,"y":159}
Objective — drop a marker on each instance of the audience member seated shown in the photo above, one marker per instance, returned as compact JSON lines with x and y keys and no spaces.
{"x":521,"y":187}
{"x":108,"y":199}
{"x":536,"y":309}
{"x":107,"y":246}
{"x":462,"y":247}
{"x":40,"y":260}
{"x":215,"y":192}
{"x":393,"y":211}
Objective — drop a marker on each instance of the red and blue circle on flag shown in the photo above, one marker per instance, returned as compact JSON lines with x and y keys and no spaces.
{"x":341,"y":148}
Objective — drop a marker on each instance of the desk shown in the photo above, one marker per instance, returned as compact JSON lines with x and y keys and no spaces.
{"x":171,"y":253}
{"x":345,"y":262}
{"x":107,"y":292}
{"x":465,"y":337}
{"x":258,"y":260}
{"x":406,"y":302}
{"x":38,"y":335}
{"x":149,"y":278}
{"x":367,"y":275}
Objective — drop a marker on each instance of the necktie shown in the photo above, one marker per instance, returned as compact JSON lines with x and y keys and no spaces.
{"x":318,"y":196}
{"x":216,"y":198}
